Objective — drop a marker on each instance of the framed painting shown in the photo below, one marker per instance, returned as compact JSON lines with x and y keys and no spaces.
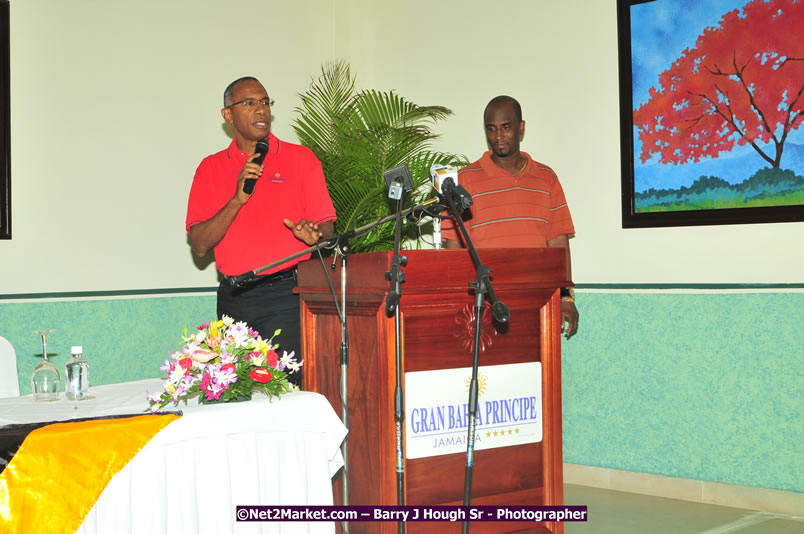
{"x":5,"y":131}
{"x":711,"y":111}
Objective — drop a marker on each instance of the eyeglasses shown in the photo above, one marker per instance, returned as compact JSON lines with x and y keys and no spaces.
{"x":250,"y":103}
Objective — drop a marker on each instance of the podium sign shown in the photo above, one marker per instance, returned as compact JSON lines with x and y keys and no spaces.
{"x":437,"y":316}
{"x":509,"y":409}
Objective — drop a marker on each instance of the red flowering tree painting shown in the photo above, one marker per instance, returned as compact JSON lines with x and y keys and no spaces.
{"x":740,"y":85}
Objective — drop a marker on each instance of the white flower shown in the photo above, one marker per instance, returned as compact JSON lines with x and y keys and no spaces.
{"x":239,"y":335}
{"x":288,"y":362}
{"x":257,"y":358}
{"x":228,"y":357}
{"x":227,"y":320}
{"x":176,"y":374}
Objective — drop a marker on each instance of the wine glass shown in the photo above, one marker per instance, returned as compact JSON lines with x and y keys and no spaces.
{"x":45,"y":377}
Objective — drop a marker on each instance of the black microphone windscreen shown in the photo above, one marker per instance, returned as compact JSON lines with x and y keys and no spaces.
{"x":262,"y":150}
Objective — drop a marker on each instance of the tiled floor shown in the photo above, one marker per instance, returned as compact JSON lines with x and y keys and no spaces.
{"x":618,"y":512}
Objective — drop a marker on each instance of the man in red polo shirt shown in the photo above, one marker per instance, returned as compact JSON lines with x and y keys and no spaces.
{"x":288,"y":211}
{"x":517,"y":202}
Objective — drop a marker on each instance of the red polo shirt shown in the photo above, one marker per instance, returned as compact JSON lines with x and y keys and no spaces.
{"x":292,"y":186}
{"x":512,"y":212}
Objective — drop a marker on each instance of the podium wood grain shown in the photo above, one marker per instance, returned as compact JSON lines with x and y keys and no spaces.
{"x":437,"y":332}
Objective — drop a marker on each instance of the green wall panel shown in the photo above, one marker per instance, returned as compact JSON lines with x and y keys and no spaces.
{"x":701,"y":386}
{"x":695,"y":386}
{"x":123,"y":339}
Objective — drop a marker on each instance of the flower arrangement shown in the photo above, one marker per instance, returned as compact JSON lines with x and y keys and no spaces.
{"x":224,"y":361}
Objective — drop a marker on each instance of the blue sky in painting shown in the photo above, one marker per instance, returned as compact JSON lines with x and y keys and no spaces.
{"x":660,"y":31}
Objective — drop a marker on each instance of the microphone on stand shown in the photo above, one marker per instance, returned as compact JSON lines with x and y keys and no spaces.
{"x":460,"y":196}
{"x":438,"y":174}
{"x":398,"y":181}
{"x":262,"y":150}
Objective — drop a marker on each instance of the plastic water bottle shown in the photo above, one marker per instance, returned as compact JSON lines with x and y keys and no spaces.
{"x":77,"y":371}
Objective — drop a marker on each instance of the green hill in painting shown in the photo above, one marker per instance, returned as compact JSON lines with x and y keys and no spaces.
{"x":768,"y":187}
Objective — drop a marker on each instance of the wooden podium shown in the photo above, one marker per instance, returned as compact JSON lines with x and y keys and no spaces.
{"x":437,"y":333}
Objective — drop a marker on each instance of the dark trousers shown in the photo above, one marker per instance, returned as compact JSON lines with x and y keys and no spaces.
{"x":267,"y":306}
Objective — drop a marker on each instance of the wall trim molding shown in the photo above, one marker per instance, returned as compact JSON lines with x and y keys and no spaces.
{"x":114,"y":294}
{"x":692,"y":286}
{"x":705,"y":289}
{"x":591,"y":288}
{"x":686,"y":489}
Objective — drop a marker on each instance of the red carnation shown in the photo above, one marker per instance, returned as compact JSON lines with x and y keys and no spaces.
{"x":271,"y":358}
{"x":260,"y":374}
{"x":186,"y":364}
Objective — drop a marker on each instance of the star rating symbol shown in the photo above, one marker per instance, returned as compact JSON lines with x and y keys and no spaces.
{"x":502,"y":433}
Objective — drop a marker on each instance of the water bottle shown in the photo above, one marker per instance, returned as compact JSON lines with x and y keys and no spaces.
{"x":77,"y":370}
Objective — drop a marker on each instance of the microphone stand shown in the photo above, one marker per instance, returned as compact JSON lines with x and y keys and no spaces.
{"x":344,"y":249}
{"x":396,"y":276}
{"x":481,"y":285}
{"x":241,"y":280}
{"x":341,"y":242}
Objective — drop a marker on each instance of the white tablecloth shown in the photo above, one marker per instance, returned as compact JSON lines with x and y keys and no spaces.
{"x":190,"y":476}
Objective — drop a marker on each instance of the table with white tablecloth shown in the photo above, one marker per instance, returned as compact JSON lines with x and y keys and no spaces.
{"x":190,"y":476}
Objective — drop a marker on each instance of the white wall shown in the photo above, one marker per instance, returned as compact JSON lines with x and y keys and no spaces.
{"x":559,"y":59}
{"x":115,"y":103}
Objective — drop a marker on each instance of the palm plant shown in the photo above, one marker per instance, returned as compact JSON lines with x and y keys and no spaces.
{"x":357,"y":136}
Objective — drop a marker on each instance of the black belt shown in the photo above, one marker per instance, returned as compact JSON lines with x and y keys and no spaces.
{"x":263,"y":280}
{"x":278,"y":276}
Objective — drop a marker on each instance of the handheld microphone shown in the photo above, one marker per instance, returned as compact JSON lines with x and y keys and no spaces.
{"x":261,"y":149}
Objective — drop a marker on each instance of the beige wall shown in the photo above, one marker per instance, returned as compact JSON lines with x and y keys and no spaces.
{"x":559,"y":58}
{"x":115,"y":103}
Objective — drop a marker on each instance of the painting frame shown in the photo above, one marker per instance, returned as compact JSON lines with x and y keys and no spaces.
{"x":5,"y":120}
{"x":698,"y":217}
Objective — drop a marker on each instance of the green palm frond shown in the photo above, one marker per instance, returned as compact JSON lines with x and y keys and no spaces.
{"x":324,"y":103}
{"x":357,"y":136}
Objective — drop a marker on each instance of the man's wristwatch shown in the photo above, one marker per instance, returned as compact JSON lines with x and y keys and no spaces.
{"x":567,"y":294}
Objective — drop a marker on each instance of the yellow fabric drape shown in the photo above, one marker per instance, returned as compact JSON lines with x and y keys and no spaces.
{"x":60,"y":470}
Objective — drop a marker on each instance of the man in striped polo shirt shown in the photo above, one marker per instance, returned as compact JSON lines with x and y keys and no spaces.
{"x":517,"y":202}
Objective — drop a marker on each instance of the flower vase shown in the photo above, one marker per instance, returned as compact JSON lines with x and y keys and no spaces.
{"x":240,"y":397}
